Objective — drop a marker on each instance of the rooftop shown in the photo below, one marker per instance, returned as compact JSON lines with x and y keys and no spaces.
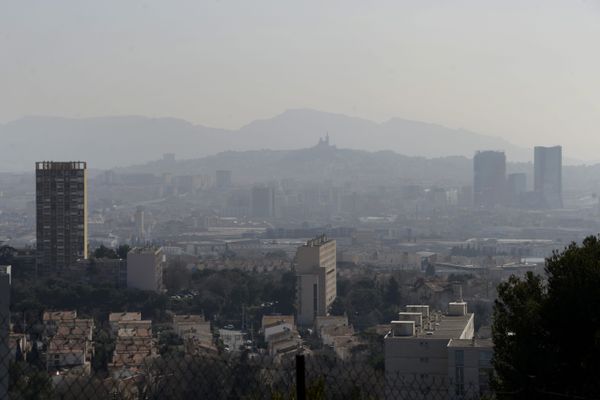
{"x":60,"y":165}
{"x":189,"y":319}
{"x":125,"y":316}
{"x":272,"y":320}
{"x":318,"y":241}
{"x":449,"y":327}
{"x":59,"y":315}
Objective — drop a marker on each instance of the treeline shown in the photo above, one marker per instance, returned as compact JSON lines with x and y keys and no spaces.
{"x":222,"y":296}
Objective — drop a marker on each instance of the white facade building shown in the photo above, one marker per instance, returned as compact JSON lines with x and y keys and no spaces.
{"x":316,"y":279}
{"x":437,"y":351}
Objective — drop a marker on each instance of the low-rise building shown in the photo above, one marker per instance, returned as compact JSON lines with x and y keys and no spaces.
{"x":115,"y":318}
{"x":134,"y":343}
{"x":284,"y":344}
{"x":329,"y":320}
{"x":469,"y":367}
{"x":425,"y":349}
{"x":69,"y":342}
{"x":232,"y":340}
{"x":195,"y":332}
{"x":272,"y":324}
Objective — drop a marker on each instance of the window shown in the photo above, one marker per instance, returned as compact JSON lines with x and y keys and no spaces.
{"x":485,"y":358}
{"x":459,"y":377}
{"x":459,"y":357}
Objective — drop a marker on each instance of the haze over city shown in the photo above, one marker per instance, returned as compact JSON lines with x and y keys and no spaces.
{"x":525,"y":72}
{"x":307,"y":200}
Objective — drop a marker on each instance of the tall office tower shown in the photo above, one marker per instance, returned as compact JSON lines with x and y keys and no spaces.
{"x":547,"y":175}
{"x":316,"y":279}
{"x":223,"y":179}
{"x":140,"y":232}
{"x":516,"y":186}
{"x":489,"y":178}
{"x":263,"y":202}
{"x":61,"y":206}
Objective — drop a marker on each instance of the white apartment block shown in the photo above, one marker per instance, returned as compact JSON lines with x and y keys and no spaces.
{"x":316,"y":279}
{"x":432,"y":352}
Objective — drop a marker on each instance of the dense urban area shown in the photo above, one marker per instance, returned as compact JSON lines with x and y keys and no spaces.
{"x":112,"y":276}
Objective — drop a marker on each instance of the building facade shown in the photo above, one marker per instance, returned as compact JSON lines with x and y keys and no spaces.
{"x":516,"y":188}
{"x":61,"y":212}
{"x":316,"y":279}
{"x":489,"y":178}
{"x":223,"y":179}
{"x":432,"y":354}
{"x":263,"y":202}
{"x":140,"y":229}
{"x":145,"y":266}
{"x":547,"y":175}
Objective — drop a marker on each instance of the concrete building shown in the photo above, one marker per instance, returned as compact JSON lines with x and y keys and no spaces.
{"x":516,"y":186}
{"x":145,"y":266}
{"x":469,"y":367}
{"x":61,"y":211}
{"x":5,"y":280}
{"x":274,"y":324}
{"x":134,"y":343}
{"x":489,"y":178}
{"x":223,"y":179}
{"x":69,"y":345}
{"x":263,"y":202}
{"x":196,"y":333}
{"x":421,"y":351}
{"x":191,"y":326}
{"x":547,"y":175}
{"x":316,"y":279}
{"x":114,"y":319}
{"x":232,"y":340}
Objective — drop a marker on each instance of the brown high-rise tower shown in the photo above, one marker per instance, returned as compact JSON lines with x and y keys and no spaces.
{"x":61,"y":205}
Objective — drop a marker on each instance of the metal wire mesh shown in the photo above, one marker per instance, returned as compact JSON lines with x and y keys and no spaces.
{"x":64,"y":357}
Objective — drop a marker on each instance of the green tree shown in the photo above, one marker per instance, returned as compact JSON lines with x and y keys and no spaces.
{"x":122,"y":251}
{"x":28,"y":382}
{"x":7,"y":254}
{"x":547,"y":333}
{"x":392,"y":292}
{"x":104,"y":252}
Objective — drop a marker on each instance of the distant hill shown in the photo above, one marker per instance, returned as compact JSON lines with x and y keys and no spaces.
{"x":107,"y":142}
{"x":321,"y":163}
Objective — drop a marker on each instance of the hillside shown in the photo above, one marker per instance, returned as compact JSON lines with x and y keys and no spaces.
{"x":107,"y":142}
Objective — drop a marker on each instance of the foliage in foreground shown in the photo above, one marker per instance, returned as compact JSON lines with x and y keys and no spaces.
{"x":547,"y":331}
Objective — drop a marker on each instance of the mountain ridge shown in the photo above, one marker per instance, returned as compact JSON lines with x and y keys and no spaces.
{"x":116,"y":141}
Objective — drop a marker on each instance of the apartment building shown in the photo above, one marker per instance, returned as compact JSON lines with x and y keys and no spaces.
{"x":145,"y":266}
{"x":429,"y":352}
{"x":61,"y":214}
{"x":316,"y":276}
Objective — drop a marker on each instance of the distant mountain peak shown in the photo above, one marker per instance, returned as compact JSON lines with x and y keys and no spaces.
{"x":106,"y":142}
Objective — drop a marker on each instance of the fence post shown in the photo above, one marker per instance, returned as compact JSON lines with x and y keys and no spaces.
{"x":300,"y":377}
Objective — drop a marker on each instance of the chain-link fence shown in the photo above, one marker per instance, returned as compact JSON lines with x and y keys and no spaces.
{"x":62,"y":356}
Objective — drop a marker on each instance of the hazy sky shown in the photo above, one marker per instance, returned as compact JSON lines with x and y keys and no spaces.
{"x":525,"y":70}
